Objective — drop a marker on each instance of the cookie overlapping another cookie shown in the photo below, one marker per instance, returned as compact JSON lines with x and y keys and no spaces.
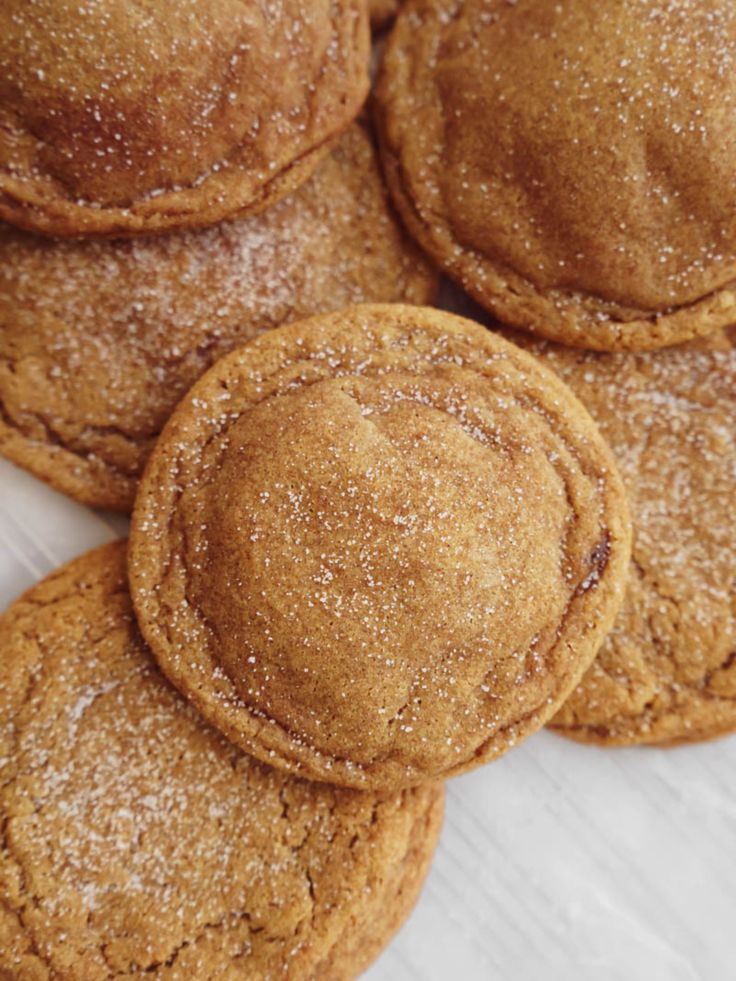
{"x":99,"y":340}
{"x":571,"y":164}
{"x":378,"y":547}
{"x":136,"y":840}
{"x":667,"y":670}
{"x":121,"y":119}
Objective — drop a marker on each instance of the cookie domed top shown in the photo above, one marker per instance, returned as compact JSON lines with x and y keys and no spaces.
{"x":119,"y":117}
{"x":379,"y":546}
{"x":572,"y":163}
{"x":136,"y":840}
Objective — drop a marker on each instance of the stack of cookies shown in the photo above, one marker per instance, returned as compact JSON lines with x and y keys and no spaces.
{"x":373,"y":544}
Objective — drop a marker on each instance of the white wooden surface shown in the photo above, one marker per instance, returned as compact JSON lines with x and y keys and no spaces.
{"x":557,"y":863}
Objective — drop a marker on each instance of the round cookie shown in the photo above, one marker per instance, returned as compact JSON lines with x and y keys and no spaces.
{"x":135,"y":839}
{"x":378,"y":547}
{"x":120,"y":118}
{"x":572,"y":165}
{"x":667,"y":670}
{"x":99,"y":340}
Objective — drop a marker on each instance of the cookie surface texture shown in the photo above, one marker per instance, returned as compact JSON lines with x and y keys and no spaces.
{"x":378,"y":547}
{"x":136,"y":840}
{"x":571,"y":164}
{"x":118,"y":118}
{"x":99,"y":340}
{"x":667,"y":670}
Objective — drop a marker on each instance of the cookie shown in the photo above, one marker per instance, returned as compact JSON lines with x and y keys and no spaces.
{"x":99,"y":340}
{"x":136,"y":840}
{"x":378,"y":547}
{"x":120,"y":119}
{"x":571,"y":164}
{"x":667,"y":670}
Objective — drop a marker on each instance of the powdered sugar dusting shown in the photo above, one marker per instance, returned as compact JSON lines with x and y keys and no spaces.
{"x":137,"y":837}
{"x":101,"y":339}
{"x":130,"y":116}
{"x":601,"y":191}
{"x":670,"y":418}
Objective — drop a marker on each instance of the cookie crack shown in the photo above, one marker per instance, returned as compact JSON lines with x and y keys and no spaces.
{"x":55,"y":438}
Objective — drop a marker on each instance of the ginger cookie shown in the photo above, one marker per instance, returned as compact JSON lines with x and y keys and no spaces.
{"x":378,"y":547}
{"x":119,"y":118}
{"x":137,"y":840}
{"x":571,"y":164}
{"x":99,"y":340}
{"x":667,"y":670}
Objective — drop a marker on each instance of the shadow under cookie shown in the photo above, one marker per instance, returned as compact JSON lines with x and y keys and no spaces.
{"x":99,"y":340}
{"x":382,"y":12}
{"x":136,"y":840}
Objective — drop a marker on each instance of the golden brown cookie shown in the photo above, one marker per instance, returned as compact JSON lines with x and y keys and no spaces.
{"x":119,"y":118}
{"x":667,"y":670}
{"x":379,"y":546}
{"x":572,"y":165}
{"x":99,"y":340}
{"x":136,"y":840}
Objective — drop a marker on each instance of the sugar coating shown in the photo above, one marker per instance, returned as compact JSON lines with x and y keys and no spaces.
{"x":571,"y":164}
{"x":99,"y":340}
{"x":119,"y":118}
{"x":667,"y":671}
{"x":378,"y":547}
{"x":135,"y":839}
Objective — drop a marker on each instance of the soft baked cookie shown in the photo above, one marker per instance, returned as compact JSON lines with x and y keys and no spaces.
{"x":379,"y":546}
{"x":136,"y":840}
{"x":121,"y":118}
{"x":572,"y":165}
{"x":99,"y":340}
{"x":667,"y":670}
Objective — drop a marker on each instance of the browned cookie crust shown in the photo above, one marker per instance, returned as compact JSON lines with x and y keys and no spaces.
{"x":572,"y":165}
{"x":99,"y":340}
{"x":379,"y":546}
{"x":119,"y":118}
{"x":667,"y":670}
{"x":136,"y":840}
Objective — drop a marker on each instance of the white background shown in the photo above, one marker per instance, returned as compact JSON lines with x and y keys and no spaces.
{"x":557,"y":863}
